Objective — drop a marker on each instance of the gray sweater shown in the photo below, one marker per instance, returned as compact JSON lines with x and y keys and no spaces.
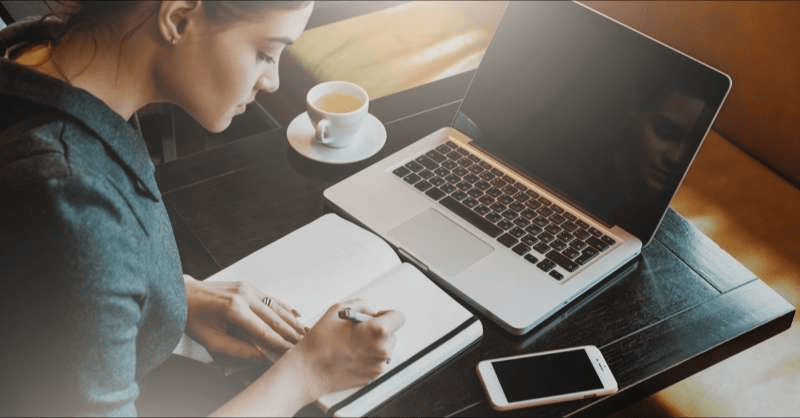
{"x":91,"y":293}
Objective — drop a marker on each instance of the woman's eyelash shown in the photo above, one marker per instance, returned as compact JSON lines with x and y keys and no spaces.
{"x":265,"y":57}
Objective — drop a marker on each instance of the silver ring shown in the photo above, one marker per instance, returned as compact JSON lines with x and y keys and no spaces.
{"x":388,"y":360}
{"x":267,"y":301}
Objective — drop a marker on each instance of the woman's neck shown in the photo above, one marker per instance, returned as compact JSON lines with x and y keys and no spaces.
{"x":103,"y":68}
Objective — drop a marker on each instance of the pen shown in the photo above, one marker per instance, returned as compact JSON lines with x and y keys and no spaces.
{"x":354,"y":316}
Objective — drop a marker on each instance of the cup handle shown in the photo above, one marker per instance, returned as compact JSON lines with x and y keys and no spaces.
{"x":322,"y":131}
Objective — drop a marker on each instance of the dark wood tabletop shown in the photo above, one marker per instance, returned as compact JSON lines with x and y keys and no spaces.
{"x":682,"y":306}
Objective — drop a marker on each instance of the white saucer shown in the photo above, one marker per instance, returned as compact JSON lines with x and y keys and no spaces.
{"x":372,"y":136}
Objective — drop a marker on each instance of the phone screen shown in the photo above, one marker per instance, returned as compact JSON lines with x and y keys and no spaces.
{"x":546,"y":375}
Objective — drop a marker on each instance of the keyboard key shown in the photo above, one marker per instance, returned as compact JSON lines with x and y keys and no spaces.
{"x":510,"y":190}
{"x":546,"y":237}
{"x":546,"y":265}
{"x":481,"y":210}
{"x":584,"y":258}
{"x":474,"y":158}
{"x":531,"y":258}
{"x":414,"y":166}
{"x":581,"y":234}
{"x":541,"y":247}
{"x":426,"y":174}
{"x":558,"y":245}
{"x":569,"y":226}
{"x":504,"y":224}
{"x":507,"y":240}
{"x":521,"y":249}
{"x":517,"y":232}
{"x":505,"y":199}
{"x":497,"y":172}
{"x":427,"y":162}
{"x":493,"y":217}
{"x":509,"y":214}
{"x":475,"y":193}
{"x":596,"y":232}
{"x":577,"y":244}
{"x":570,"y":217}
{"x":553,"y":229}
{"x":476,"y":169}
{"x":533,"y":204}
{"x":464,"y":185}
{"x":582,"y":224}
{"x":516,"y":206}
{"x":557,"y":219}
{"x":464,"y":162}
{"x":435,"y":193}
{"x":494,"y":192}
{"x":435,"y":156}
{"x":453,"y":179}
{"x":528,"y":214}
{"x":544,"y":201}
{"x":464,"y":212}
{"x":544,"y":211}
{"x":449,"y":164}
{"x":521,"y":222}
{"x":498,"y":207}
{"x":482,"y":185}
{"x":469,"y":202}
{"x":458,"y":195}
{"x":498,"y":182}
{"x":562,"y":261}
{"x":460,"y":171}
{"x":608,"y":240}
{"x":423,"y":185}
{"x":571,"y":253}
{"x":462,"y":151}
{"x":541,"y":221}
{"x":436,"y":181}
{"x":556,"y":275}
{"x":485,"y":165}
{"x":444,"y":148}
{"x":522,"y":197}
{"x":534,"y":230}
{"x":596,"y":243}
{"x":401,"y":171}
{"x":412,"y":178}
{"x":448,"y":188}
{"x":564,"y":236}
{"x":486,"y":176}
{"x":529,"y":240}
{"x":486,"y":200}
{"x":442,"y":172}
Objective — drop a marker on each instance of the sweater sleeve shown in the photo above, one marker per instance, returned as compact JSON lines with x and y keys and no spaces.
{"x":72,"y":303}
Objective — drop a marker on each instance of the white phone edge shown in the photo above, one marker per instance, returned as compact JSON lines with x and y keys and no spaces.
{"x":497,"y":398}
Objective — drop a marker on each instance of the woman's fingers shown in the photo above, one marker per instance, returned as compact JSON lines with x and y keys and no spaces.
{"x":289,"y":315}
{"x":256,"y":327}
{"x":220,"y":342}
{"x":275,"y":317}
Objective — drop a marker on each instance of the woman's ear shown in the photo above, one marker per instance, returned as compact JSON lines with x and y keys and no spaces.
{"x":176,"y":18}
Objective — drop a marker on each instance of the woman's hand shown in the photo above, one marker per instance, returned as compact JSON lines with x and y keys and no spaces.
{"x":217,"y":308}
{"x":338,"y":354}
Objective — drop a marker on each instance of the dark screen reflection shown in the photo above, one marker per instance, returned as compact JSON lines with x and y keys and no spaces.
{"x":605,"y":117}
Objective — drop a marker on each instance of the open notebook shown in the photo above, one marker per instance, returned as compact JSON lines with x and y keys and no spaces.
{"x":331,"y":260}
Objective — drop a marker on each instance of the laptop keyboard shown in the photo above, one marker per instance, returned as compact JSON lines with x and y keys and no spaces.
{"x":533,"y":226}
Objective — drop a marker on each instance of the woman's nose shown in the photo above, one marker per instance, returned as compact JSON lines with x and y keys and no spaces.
{"x":269,"y":82}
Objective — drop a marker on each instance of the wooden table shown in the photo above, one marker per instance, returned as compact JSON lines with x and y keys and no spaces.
{"x":680,"y":307}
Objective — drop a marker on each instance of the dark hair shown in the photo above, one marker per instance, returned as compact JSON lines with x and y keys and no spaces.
{"x":90,"y":15}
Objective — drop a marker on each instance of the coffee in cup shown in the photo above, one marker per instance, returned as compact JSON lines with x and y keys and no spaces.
{"x":337,"y":110}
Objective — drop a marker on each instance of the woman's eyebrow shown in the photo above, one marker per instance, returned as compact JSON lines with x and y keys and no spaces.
{"x":282,"y":39}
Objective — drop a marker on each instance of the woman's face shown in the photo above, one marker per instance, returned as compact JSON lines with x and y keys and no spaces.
{"x":214,"y":71}
{"x":664,"y":138}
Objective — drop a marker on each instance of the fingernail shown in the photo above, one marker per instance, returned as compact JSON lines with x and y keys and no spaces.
{"x":296,"y":313}
{"x":307,"y":329}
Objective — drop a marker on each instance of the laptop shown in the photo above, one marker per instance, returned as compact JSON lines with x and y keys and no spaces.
{"x":573,"y":137}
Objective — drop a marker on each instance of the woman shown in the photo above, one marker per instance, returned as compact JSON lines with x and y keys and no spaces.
{"x":93,"y":296}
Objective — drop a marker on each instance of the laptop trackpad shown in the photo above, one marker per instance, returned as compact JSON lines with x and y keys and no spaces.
{"x":439,"y":242}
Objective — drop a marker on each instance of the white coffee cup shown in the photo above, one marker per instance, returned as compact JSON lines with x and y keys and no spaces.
{"x":337,"y":110}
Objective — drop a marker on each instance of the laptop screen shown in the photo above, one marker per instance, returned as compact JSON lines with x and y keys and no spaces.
{"x":601,"y":115}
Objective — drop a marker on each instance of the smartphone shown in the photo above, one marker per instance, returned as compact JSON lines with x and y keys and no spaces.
{"x":547,"y":377}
